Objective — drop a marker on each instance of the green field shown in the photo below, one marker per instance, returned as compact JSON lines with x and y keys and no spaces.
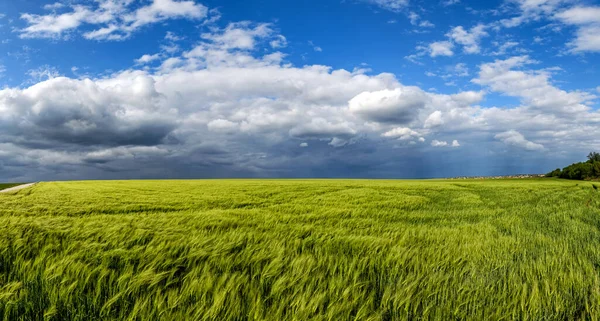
{"x":5,"y":186}
{"x":301,"y":250}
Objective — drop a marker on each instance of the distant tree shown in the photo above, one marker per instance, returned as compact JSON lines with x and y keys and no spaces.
{"x":596,"y":169}
{"x":593,"y":157}
{"x":580,"y":171}
{"x":554,"y":173}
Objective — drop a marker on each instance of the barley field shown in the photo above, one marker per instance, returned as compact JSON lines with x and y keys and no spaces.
{"x":301,"y":250}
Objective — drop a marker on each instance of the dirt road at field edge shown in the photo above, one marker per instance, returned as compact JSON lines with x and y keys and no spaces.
{"x":17,"y":188}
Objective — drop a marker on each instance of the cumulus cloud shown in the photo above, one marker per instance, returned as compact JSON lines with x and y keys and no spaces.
{"x":230,"y":106}
{"x":533,"y":87}
{"x":223,"y":126}
{"x":504,"y":47}
{"x":397,"y":106}
{"x":403,"y":133}
{"x":240,"y":35}
{"x":461,"y":70}
{"x":531,"y":10}
{"x":434,"y":120}
{"x":437,"y":143}
{"x":468,"y":39}
{"x":516,"y":139}
{"x":83,"y":112}
{"x":391,"y":5}
{"x":584,"y":18}
{"x":145,"y":59}
{"x":52,"y":25}
{"x":109,"y":19}
{"x":587,"y":19}
{"x":441,"y":48}
{"x":416,"y":21}
{"x":279,"y":42}
{"x":467,"y":98}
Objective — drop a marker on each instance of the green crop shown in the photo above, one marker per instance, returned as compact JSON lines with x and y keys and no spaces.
{"x":301,"y":250}
{"x":5,"y":186}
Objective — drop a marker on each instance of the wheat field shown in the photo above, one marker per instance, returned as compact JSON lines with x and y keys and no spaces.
{"x":301,"y":250}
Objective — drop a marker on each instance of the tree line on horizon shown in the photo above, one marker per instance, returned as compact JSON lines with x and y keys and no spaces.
{"x":587,"y":170}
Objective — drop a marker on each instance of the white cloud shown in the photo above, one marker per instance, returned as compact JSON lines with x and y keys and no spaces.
{"x":469,"y":39}
{"x":303,"y":144}
{"x":580,"y":15}
{"x":315,"y":48}
{"x":391,"y":5}
{"x":54,"y":6}
{"x":52,"y":25}
{"x":434,"y":120}
{"x":588,"y":39}
{"x":587,"y":19}
{"x":533,"y":87}
{"x":160,"y":10}
{"x":171,"y":36}
{"x":223,"y":126}
{"x":504,"y":47}
{"x":106,"y":33}
{"x":461,"y":70}
{"x":43,"y":73}
{"x":279,"y":42}
{"x":340,"y":142}
{"x":467,"y":98}
{"x":516,"y":139}
{"x":441,"y":48}
{"x":241,"y":35}
{"x":145,"y":59}
{"x":531,"y":10}
{"x":403,"y":134}
{"x":214,"y":15}
{"x":437,"y":143}
{"x":113,"y":20}
{"x":415,"y":20}
{"x":398,"y":106}
{"x":447,"y":3}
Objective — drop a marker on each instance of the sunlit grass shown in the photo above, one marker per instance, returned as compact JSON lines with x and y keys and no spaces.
{"x":301,"y":250}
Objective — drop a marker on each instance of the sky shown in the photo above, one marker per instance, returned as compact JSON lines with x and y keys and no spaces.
{"x":127,"y":89}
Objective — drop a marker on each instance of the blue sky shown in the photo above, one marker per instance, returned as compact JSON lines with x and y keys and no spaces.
{"x":364,"y":88}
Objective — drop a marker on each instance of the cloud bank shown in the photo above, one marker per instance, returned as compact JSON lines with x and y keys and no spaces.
{"x":231,"y":105}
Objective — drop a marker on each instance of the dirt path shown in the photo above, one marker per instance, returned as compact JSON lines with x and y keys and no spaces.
{"x":16,"y":188}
